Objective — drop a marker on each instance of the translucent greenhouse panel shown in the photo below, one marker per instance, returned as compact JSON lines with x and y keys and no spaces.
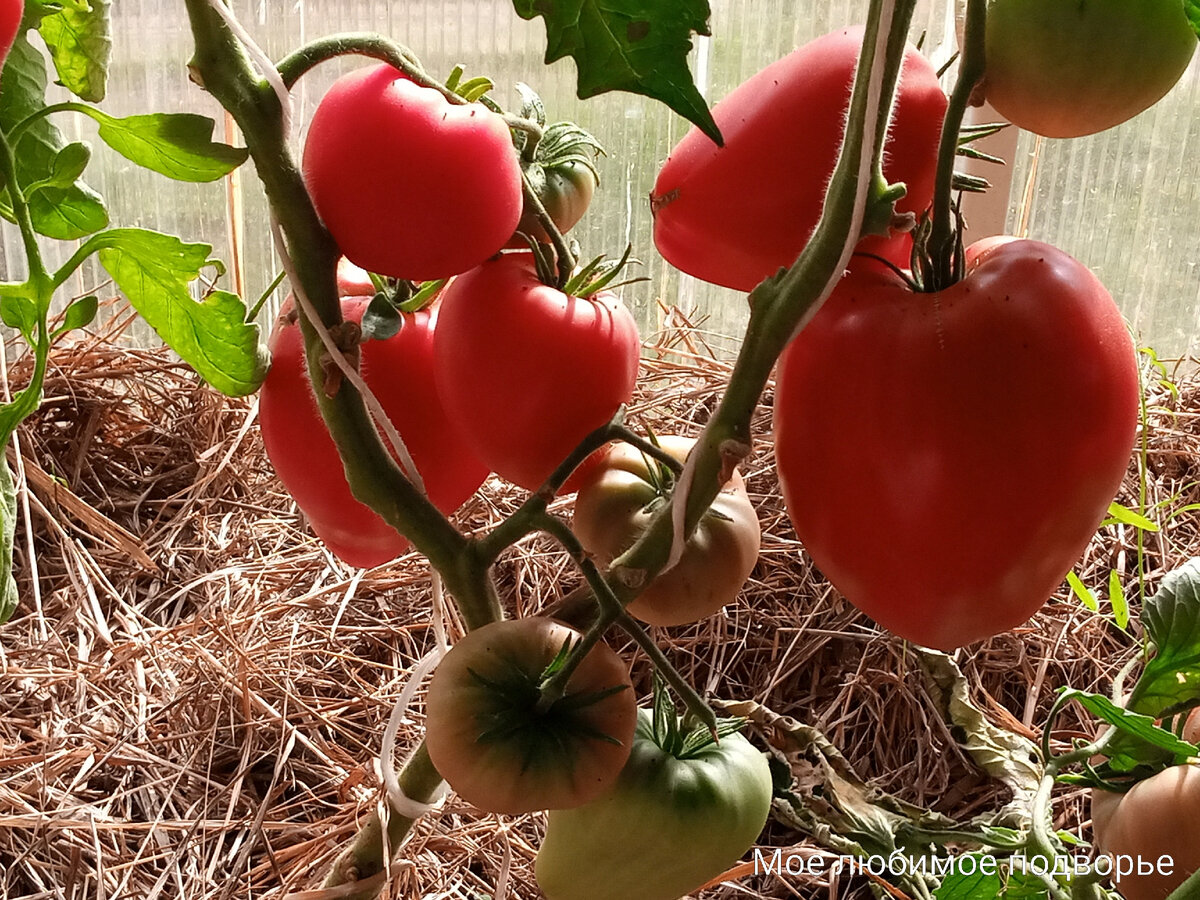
{"x":1126,"y":202}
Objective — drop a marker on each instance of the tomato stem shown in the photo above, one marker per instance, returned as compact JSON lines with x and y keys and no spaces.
{"x":562,"y":253}
{"x":361,"y":43}
{"x":223,"y":66}
{"x":941,"y":263}
{"x":613,"y":611}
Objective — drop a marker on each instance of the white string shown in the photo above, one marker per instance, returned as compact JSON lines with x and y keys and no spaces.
{"x":265,"y":64}
{"x":376,"y":409}
{"x":397,"y":799}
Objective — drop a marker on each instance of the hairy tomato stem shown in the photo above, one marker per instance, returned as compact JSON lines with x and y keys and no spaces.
{"x":941,"y":265}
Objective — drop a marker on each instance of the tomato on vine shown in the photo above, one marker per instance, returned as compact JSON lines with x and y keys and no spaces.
{"x":526,"y":370}
{"x":945,"y":458}
{"x":492,"y":743}
{"x":1065,"y":69}
{"x":409,"y":184}
{"x":619,"y":494}
{"x":736,"y":214}
{"x":684,"y":809}
{"x":399,"y":371}
{"x":560,"y":167}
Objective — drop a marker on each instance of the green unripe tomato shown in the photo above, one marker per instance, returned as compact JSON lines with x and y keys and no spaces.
{"x":1067,"y":68}
{"x":565,"y":190}
{"x":668,"y":826}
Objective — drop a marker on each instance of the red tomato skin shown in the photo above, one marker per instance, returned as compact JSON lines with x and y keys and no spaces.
{"x":11,"y":12}
{"x":946,"y":458}
{"x":527,"y":372}
{"x":1156,"y":818}
{"x":399,"y":373}
{"x":408,"y":184}
{"x":735,"y":215}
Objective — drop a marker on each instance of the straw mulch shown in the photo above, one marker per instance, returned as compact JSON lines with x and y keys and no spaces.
{"x":193,"y":692}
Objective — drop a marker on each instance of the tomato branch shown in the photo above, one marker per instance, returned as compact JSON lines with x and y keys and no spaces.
{"x":783,"y":304}
{"x":528,"y":517}
{"x":613,"y":612}
{"x":365,"y":43}
{"x":222,"y":65}
{"x":942,"y":264}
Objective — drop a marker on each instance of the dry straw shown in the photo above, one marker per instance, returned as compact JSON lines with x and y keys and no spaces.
{"x":193,"y":693}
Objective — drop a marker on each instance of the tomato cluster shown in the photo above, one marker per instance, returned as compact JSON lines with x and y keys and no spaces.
{"x":944,"y":455}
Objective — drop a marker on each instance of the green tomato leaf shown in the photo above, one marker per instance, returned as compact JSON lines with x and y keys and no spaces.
{"x":79,"y":38}
{"x":64,"y":213}
{"x":8,"y":533}
{"x":381,"y":320}
{"x":640,"y":46}
{"x":1170,"y":682}
{"x":69,"y":164}
{"x":79,"y":314}
{"x":178,"y":145}
{"x":20,"y":313}
{"x":1141,"y":742}
{"x":1192,"y":7}
{"x":154,"y":271}
{"x":966,"y":882}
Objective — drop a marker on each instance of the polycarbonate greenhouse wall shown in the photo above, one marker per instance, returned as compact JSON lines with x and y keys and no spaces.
{"x":1126,"y":202}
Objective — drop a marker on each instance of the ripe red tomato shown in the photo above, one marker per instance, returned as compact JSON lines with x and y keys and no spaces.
{"x":525,"y":371}
{"x":1062,"y":68}
{"x":409,"y":184}
{"x":620,"y":493}
{"x":1156,"y":818}
{"x":499,"y":753}
{"x":945,"y":458}
{"x":10,"y":21}
{"x":734,"y":215}
{"x":399,"y":371}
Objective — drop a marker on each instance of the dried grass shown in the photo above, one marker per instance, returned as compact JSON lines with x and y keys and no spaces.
{"x":193,"y":691}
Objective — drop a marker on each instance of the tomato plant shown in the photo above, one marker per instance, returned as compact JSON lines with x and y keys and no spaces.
{"x":616,"y":499}
{"x":527,"y":371}
{"x":409,"y":184}
{"x":1064,"y":69}
{"x":684,"y":809}
{"x":497,"y":749}
{"x":1155,"y":818}
{"x":946,"y":458}
{"x":399,"y":372}
{"x":733,"y":215}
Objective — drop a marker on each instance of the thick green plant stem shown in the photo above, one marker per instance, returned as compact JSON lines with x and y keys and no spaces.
{"x":40,"y":286}
{"x":783,"y":304}
{"x":221,"y":65}
{"x":363,"y":860}
{"x":943,"y":237}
